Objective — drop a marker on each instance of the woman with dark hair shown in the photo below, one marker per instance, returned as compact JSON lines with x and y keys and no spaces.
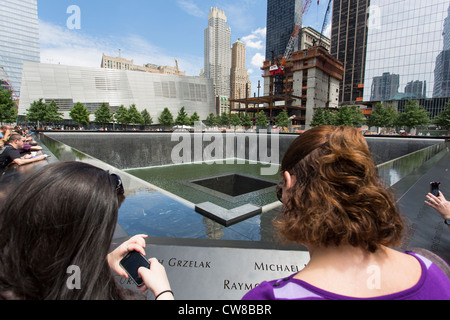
{"x":335,"y":204}
{"x":62,"y":216}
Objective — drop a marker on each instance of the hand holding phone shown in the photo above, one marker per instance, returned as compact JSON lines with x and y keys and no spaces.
{"x":131,"y":264}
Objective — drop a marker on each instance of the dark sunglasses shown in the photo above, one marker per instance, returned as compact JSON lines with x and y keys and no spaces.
{"x":118,"y":183}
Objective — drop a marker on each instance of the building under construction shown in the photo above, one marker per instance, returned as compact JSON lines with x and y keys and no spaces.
{"x":306,"y":80}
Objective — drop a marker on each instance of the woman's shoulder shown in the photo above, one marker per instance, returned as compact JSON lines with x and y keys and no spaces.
{"x":283,"y":289}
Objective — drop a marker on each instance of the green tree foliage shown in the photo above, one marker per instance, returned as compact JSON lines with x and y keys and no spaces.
{"x":413,"y":115}
{"x":79,"y":114}
{"x":282,"y":120}
{"x":383,"y":116}
{"x":52,"y":113}
{"x":235,"y":120}
{"x":121,"y":115}
{"x":443,"y":119}
{"x":166,"y":118}
{"x":194,"y":118}
{"x":36,"y":112}
{"x":134,"y":116}
{"x":182,"y":118}
{"x":41,"y":112}
{"x":322,"y":117}
{"x":147,"y":120}
{"x":224,"y":119}
{"x":261,"y":120}
{"x":103,"y":114}
{"x":8,"y":110}
{"x":211,"y":120}
{"x":246,"y":121}
{"x":349,"y":116}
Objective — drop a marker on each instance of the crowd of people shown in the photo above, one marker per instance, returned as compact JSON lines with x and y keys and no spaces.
{"x":18,"y":147}
{"x":333,"y":203}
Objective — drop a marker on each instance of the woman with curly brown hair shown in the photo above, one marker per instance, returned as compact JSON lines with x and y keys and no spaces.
{"x":335,"y":204}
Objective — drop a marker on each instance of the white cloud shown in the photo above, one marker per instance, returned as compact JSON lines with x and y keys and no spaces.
{"x":253,"y":44}
{"x":63,"y":46}
{"x":191,"y":8}
{"x":256,"y":39}
{"x":261,"y":32}
{"x":258,"y":60}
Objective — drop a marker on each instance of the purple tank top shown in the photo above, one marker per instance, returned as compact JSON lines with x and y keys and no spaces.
{"x":433,"y":285}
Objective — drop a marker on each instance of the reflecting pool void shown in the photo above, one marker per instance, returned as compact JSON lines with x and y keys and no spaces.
{"x":161,"y":197}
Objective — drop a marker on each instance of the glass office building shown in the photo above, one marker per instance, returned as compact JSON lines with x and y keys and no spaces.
{"x":19,"y":38}
{"x":408,"y":52}
{"x":282,"y":16}
{"x":348,"y":45}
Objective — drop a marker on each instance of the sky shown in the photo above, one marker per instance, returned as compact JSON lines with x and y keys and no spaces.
{"x":153,"y":31}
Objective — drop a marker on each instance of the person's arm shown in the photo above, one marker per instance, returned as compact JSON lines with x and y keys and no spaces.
{"x":22,"y":161}
{"x":440,"y":204}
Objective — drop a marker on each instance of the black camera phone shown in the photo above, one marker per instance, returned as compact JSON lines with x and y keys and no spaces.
{"x":131,"y":264}
{"x":434,"y":186}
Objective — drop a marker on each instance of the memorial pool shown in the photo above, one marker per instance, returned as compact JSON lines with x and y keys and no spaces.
{"x":161,"y":198}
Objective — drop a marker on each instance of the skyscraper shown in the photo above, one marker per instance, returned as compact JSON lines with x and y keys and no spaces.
{"x":19,"y":38}
{"x":442,"y":68}
{"x":282,"y":16}
{"x":348,"y":45}
{"x":218,"y":52}
{"x":408,"y":39}
{"x":240,"y":81}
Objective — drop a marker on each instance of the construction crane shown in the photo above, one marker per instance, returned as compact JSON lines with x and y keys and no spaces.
{"x":325,"y":21}
{"x":4,"y":82}
{"x":277,"y":70}
{"x":293,"y":41}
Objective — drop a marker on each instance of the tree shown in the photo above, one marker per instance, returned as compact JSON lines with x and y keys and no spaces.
{"x":121,"y":115}
{"x":235,"y":120}
{"x":147,"y":120}
{"x":323,"y":117}
{"x":282,"y":120}
{"x":79,"y":114}
{"x":224,"y":119}
{"x":246,"y":121}
{"x":211,"y":120}
{"x":319,"y":117}
{"x":52,"y":113}
{"x":182,"y":118}
{"x":384,"y":117}
{"x":443,"y":119}
{"x":8,"y":110}
{"x":349,"y":116}
{"x":37,"y":111}
{"x":261,"y":120}
{"x":134,"y":116}
{"x":194,"y":118}
{"x":103,"y":114}
{"x":166,"y":118}
{"x":413,"y":115}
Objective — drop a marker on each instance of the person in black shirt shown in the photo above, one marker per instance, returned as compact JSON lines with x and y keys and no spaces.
{"x":12,"y":155}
